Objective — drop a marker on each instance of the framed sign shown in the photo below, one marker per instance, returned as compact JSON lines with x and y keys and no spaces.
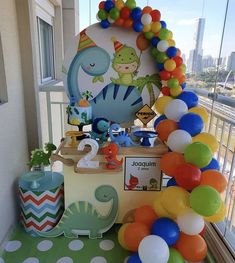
{"x":142,"y":174}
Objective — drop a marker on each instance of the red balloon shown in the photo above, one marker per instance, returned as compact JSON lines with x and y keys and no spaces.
{"x":188,"y":176}
{"x":101,"y":5}
{"x":203,"y":231}
{"x":141,"y":42}
{"x":165,"y":91}
{"x":128,"y":23}
{"x":125,"y":13}
{"x":156,"y":15}
{"x":178,"y":60}
{"x":165,"y":75}
{"x":119,"y":21}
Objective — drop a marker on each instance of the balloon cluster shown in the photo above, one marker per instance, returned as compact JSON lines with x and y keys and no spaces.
{"x":193,"y":192}
{"x":163,"y":234}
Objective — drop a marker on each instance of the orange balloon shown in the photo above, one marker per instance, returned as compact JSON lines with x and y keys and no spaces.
{"x":214,"y":179}
{"x":165,"y":127}
{"x":192,"y":248}
{"x":128,"y":23}
{"x":119,"y":21}
{"x":133,"y":235}
{"x":182,"y":79}
{"x":177,"y":73}
{"x":145,"y":214}
{"x":170,"y":161}
{"x":141,"y":42}
{"x":147,"y":10}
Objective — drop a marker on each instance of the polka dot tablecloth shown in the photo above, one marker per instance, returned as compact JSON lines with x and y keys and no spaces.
{"x":23,"y":248}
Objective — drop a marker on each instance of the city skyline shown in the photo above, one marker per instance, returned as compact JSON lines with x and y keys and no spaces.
{"x":181,"y":18}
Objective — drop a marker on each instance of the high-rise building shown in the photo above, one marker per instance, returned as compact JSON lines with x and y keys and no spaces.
{"x":231,"y":62}
{"x":195,"y":56}
{"x":207,"y":62}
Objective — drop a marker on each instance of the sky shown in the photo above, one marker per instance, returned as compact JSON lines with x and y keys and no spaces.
{"x":180,"y":17}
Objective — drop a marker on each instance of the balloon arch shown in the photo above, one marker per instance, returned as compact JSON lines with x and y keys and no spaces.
{"x":193,"y":193}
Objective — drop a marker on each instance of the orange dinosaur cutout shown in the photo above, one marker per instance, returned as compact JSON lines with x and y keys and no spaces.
{"x":110,"y":153}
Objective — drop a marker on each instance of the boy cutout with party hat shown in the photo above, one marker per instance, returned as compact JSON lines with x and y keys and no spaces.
{"x":125,"y":63}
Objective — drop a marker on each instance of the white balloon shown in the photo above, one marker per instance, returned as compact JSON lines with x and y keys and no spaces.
{"x":111,"y":21}
{"x":176,"y":109}
{"x":153,"y":249}
{"x":146,"y":19}
{"x":190,"y":223}
{"x":178,"y":140}
{"x":97,"y":17}
{"x":162,"y":46}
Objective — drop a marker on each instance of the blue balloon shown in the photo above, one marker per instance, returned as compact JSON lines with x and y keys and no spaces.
{"x":171,"y":182}
{"x":166,"y":229}
{"x":171,"y":52}
{"x":108,"y":5}
{"x":160,"y":118}
{"x":213,"y":165}
{"x":191,"y":123}
{"x":163,"y":23}
{"x":134,"y":258}
{"x":138,"y":26}
{"x":190,"y":98}
{"x":136,"y":13}
{"x":183,"y":86}
{"x":154,"y":41}
{"x":160,"y":66}
{"x":105,"y":23}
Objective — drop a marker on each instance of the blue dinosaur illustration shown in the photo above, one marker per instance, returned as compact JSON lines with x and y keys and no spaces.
{"x":122,"y":138}
{"x":100,"y":127}
{"x":117,"y":103}
{"x":82,"y":218}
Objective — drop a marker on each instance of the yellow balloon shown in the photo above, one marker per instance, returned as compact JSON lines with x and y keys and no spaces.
{"x":119,"y":4}
{"x":147,"y":28}
{"x":121,"y":236}
{"x":169,"y":65}
{"x":156,"y":26}
{"x":171,"y":42}
{"x":176,"y":91}
{"x":170,"y":34}
{"x":175,"y":200}
{"x":161,"y":103}
{"x":219,"y":216}
{"x":207,"y":139}
{"x":159,"y":209}
{"x":200,"y":111}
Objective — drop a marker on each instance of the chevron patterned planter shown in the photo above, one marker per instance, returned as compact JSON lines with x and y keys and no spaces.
{"x":41,"y":209}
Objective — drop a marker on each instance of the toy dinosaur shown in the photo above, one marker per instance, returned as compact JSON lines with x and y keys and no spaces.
{"x":100,"y":127}
{"x":122,"y":138}
{"x":81,"y":218}
{"x":39,"y":157}
{"x":111,"y":152}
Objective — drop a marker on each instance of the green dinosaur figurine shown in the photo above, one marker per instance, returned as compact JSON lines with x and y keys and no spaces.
{"x":39,"y":157}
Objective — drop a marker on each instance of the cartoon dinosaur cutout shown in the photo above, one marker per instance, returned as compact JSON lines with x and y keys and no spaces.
{"x":82,"y":218}
{"x":110,"y":153}
{"x":133,"y":182}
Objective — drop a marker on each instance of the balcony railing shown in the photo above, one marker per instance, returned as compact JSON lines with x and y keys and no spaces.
{"x":53,"y":102}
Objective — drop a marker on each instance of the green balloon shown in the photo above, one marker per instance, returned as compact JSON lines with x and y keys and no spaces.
{"x":114,"y":13}
{"x":149,"y":35}
{"x":205,"y":200}
{"x":172,"y":83}
{"x":175,"y":256}
{"x":102,"y":14}
{"x":164,"y":34}
{"x":161,"y":57}
{"x":130,"y":4}
{"x":198,"y":154}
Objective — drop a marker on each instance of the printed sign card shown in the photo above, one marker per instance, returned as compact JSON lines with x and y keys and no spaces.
{"x":142,"y":174}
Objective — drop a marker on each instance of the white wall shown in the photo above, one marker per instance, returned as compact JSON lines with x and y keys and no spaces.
{"x":13,"y":144}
